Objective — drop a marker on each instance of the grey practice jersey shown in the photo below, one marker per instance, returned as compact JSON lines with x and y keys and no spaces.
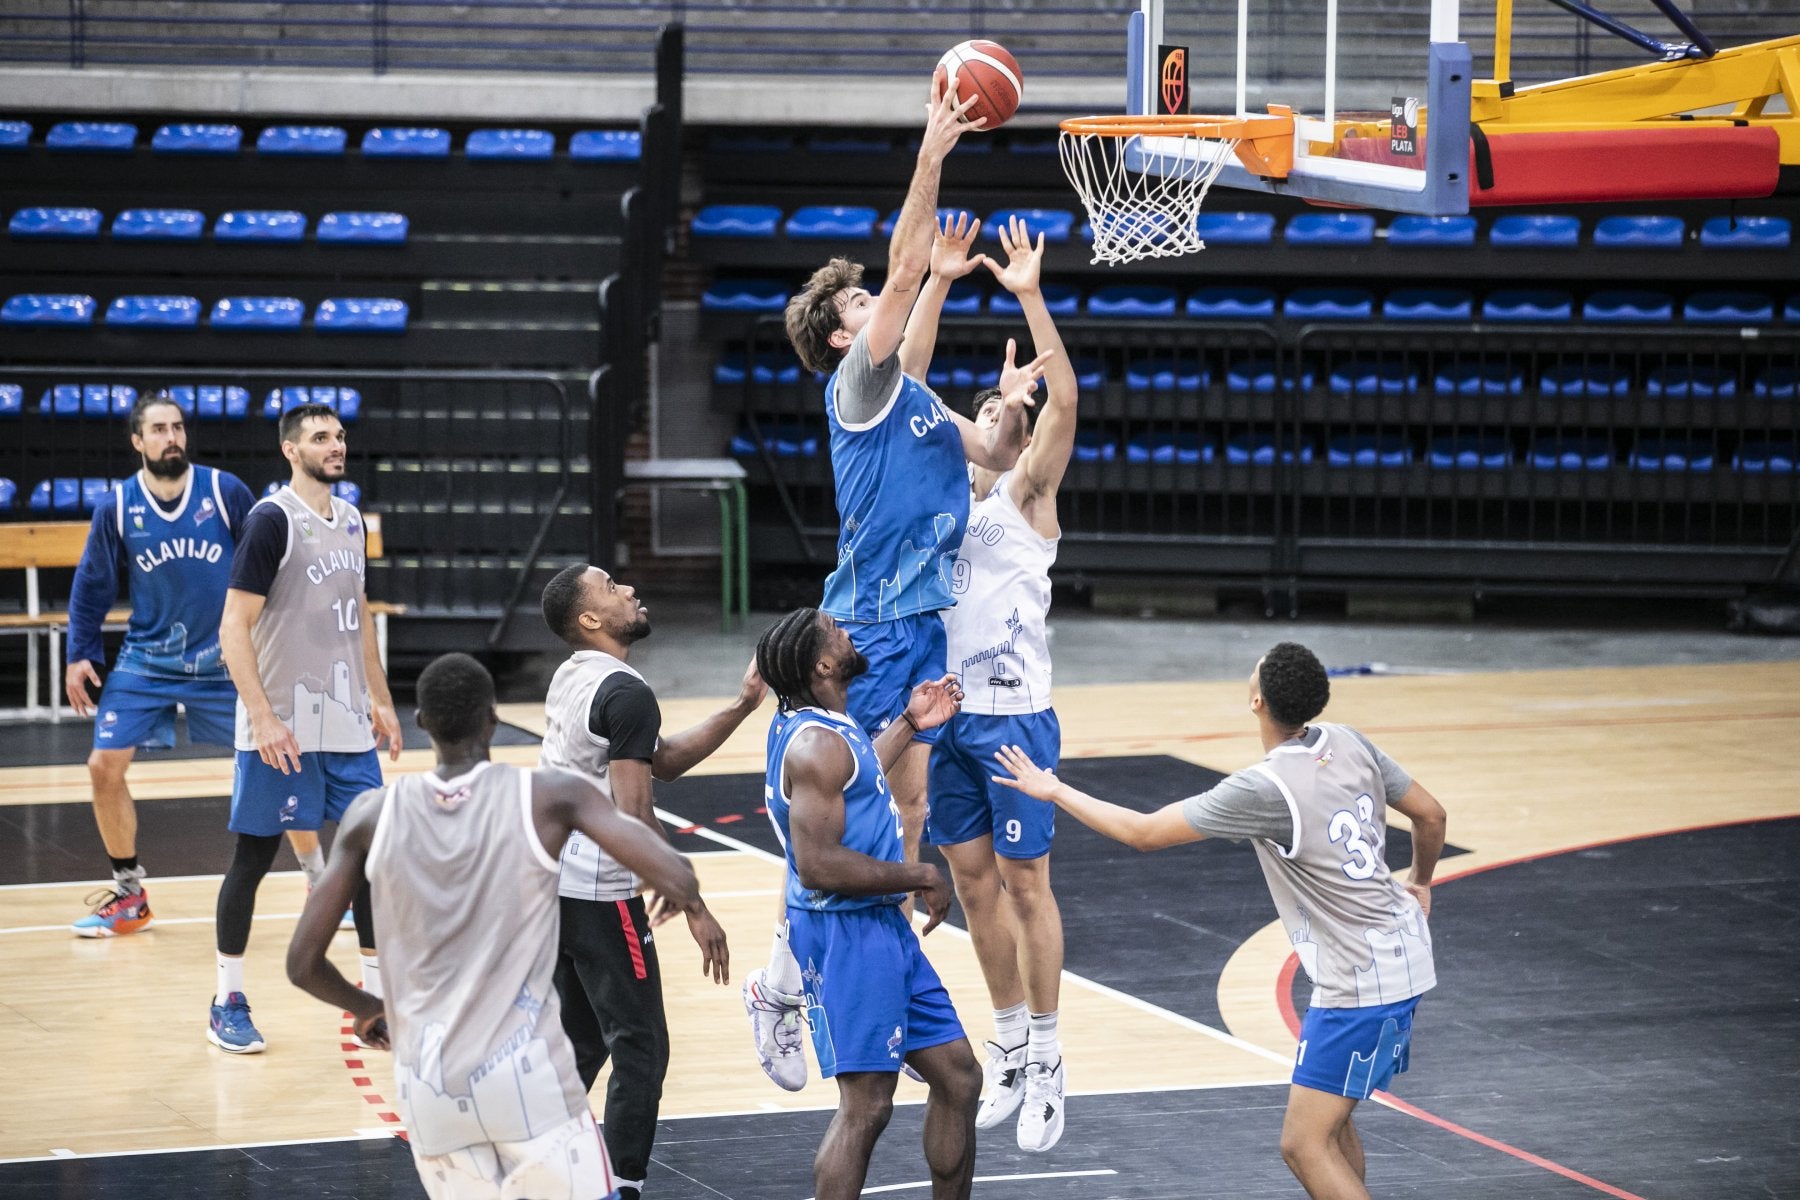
{"x":308,"y":639}
{"x":1316,"y":811}
{"x":588,"y":872}
{"x":467,"y":922}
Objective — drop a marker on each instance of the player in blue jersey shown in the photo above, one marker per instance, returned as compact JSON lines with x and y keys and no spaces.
{"x":167,"y":534}
{"x":871,"y":998}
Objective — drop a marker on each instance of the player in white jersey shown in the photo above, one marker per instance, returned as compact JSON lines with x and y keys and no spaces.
{"x":464,"y":860}
{"x":1316,"y":811}
{"x":996,"y":841}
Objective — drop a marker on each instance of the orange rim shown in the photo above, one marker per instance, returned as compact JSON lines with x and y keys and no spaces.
{"x":1198,"y":125}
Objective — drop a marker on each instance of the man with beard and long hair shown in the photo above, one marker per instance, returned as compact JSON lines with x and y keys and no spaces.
{"x":167,"y":532}
{"x":313,"y":703}
{"x":602,"y":722}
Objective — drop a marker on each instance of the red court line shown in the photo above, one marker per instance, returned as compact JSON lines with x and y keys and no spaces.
{"x":1399,"y":1105}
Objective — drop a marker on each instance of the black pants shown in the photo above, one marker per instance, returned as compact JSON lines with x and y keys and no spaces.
{"x":612,"y":1007}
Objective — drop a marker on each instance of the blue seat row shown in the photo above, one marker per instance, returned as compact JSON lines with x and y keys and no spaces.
{"x":65,"y":494}
{"x":206,"y":401}
{"x":188,"y":225}
{"x":839,"y":143}
{"x":120,"y":137}
{"x":341,"y":315}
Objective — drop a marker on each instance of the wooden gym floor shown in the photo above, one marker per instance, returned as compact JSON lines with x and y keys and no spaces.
{"x":1618,"y":1013}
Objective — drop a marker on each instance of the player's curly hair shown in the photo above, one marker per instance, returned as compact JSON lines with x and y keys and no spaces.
{"x":455,"y":695}
{"x":786,"y":653}
{"x":561,"y":602}
{"x":1295,"y":688}
{"x":812,"y":315}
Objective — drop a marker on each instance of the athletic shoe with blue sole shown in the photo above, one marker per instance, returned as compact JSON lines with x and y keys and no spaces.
{"x":228,"y":1027}
{"x":115,"y":914}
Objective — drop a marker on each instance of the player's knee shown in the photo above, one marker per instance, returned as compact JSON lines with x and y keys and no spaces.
{"x":107,"y":768}
{"x":1028,"y":885}
{"x":1300,"y":1144}
{"x":963,"y":1085}
{"x":867,"y":1115}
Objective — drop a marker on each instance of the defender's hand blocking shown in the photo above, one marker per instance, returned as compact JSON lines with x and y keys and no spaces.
{"x":944,"y":119}
{"x":1024,"y":260}
{"x":934,"y":702}
{"x":1026,"y":776}
{"x":1016,"y":382}
{"x":950,"y":248}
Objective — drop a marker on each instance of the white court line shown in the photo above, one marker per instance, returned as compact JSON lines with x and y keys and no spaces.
{"x":1286,"y":1060}
{"x":925,"y":1183}
{"x":369,"y":1135}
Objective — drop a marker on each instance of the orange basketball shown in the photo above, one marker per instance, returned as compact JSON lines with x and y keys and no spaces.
{"x":986,"y":70}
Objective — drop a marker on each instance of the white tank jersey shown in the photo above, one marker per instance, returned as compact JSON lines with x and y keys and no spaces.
{"x":467,"y":921}
{"x":588,"y":872}
{"x":996,"y":632}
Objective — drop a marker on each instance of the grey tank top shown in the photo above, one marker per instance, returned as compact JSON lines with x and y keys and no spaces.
{"x":467,"y":919}
{"x":308,"y":638}
{"x":1361,"y":936}
{"x":588,"y":872}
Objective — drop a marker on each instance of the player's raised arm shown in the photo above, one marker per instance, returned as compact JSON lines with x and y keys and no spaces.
{"x":1165,"y":827}
{"x":307,"y":967}
{"x":950,"y":261}
{"x":930,"y":705}
{"x":1041,"y":464}
{"x":680,"y":752}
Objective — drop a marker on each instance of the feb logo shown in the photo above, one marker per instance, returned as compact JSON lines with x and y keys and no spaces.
{"x":290,"y":808}
{"x":206,"y":512}
{"x":109,"y":718}
{"x":894,"y":1043}
{"x":1174,"y":80}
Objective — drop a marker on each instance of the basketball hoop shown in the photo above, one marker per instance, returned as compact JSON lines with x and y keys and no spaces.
{"x":1143,"y":179}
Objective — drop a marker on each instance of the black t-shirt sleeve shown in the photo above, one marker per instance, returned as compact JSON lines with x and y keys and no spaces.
{"x":626,"y":714}
{"x":261,"y":545}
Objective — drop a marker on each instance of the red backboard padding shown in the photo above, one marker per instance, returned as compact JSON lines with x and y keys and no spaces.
{"x":1669,"y":162}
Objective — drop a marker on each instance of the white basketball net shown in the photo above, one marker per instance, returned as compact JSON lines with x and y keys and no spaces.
{"x":1150,"y":213}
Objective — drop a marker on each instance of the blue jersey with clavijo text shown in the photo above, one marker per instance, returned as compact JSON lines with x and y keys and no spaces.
{"x":871,"y":818}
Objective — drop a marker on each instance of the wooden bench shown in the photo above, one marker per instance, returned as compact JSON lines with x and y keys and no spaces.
{"x":58,"y":544}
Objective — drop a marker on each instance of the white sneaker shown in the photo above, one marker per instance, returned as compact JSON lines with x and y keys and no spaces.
{"x":1005,"y":1072}
{"x":776,"y":1028}
{"x":1041,"y":1115}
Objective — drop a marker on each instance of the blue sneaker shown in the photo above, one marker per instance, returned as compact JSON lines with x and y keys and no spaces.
{"x":229,"y":1027}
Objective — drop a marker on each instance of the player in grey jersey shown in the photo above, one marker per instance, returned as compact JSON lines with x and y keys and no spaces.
{"x":464,"y":859}
{"x":1315,"y":811}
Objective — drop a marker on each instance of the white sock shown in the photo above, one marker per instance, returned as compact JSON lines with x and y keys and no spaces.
{"x":128,"y":880}
{"x":1009,"y":1027}
{"x":783,"y":973}
{"x":231,"y":977}
{"x":1044,"y":1046}
{"x":371,"y":974}
{"x":313,"y":864}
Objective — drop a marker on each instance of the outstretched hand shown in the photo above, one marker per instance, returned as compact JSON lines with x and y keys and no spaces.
{"x":950,"y":248}
{"x":1024,"y":259}
{"x":944,"y":121}
{"x":934,"y":702}
{"x":1017,"y":383}
{"x":1026,"y":776}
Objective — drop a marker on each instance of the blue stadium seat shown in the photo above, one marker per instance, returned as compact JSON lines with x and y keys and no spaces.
{"x":212,"y":402}
{"x":1571,"y":454}
{"x":9,"y":493}
{"x":1165,"y":375}
{"x":346,"y":402}
{"x":1183,"y":447}
{"x":532,"y":145}
{"x":963,"y":372}
{"x":362,"y":229}
{"x":736,"y":221}
{"x":1470,"y":453}
{"x":1232,"y":304}
{"x":1648,"y":232}
{"x":12,"y":400}
{"x":848,"y":143}
{"x":1746,"y":233}
{"x":1697,"y":382}
{"x":769,"y":368}
{"x":1671,"y":454}
{"x":92,"y":137}
{"x":1090,"y":373}
{"x":1791,"y":310}
{"x":1094,"y":446}
{"x":1330,"y":229}
{"x":197,"y":139}
{"x":1257,"y":376}
{"x":1236,"y":228}
{"x":1258,"y":450}
{"x":360,"y":315}
{"x":1779,"y":383}
{"x":56,"y":495}
{"x":87,"y":400}
{"x":1628,"y":307}
{"x":1327,"y":304}
{"x":826,"y":221}
{"x":1428,"y":304}
{"x":158,"y":225}
{"x":1432,"y":231}
{"x":14,"y":135}
{"x":257,"y":225}
{"x":44,"y":308}
{"x":1056,"y":224}
{"x":349,"y":493}
{"x":782,"y":441}
{"x":745,"y":295}
{"x":1527,"y":305}
{"x":1535,"y":229}
{"x":606,"y":145}
{"x":1728,"y":308}
{"x":1371,"y":377}
{"x":406,"y":141}
{"x":258,"y":312}
{"x":1591,"y":379}
{"x":308,"y":140}
{"x":94,"y":493}
{"x":1062,"y":299}
{"x":154,"y":312}
{"x":964,"y":299}
{"x":1368,"y":450}
{"x":1773,"y":457}
{"x":1132,"y":300}
{"x":64,"y":223}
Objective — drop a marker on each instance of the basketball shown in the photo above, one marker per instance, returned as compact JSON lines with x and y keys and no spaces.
{"x":986,"y":69}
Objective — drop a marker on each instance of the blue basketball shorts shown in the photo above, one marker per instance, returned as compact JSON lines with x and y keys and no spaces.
{"x":1353,"y":1051}
{"x":136,"y":710}
{"x":264,"y":802}
{"x":872,"y":998}
{"x":902,"y":654}
{"x":965,"y":801}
